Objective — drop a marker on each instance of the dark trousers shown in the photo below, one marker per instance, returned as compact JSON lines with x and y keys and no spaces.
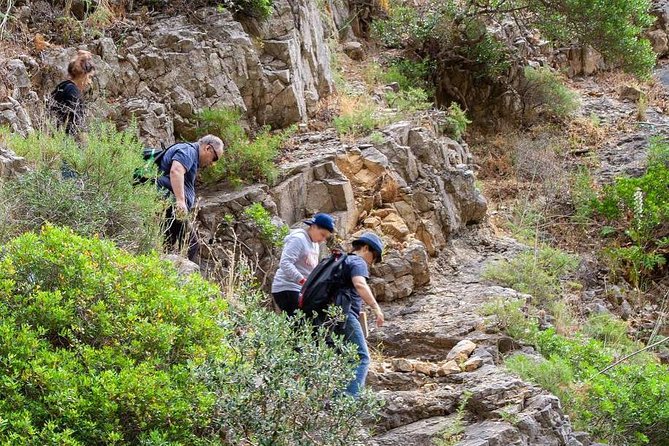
{"x":287,"y":301}
{"x":177,"y":231}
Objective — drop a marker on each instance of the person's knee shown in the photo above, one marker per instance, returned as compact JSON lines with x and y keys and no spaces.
{"x":365,"y":361}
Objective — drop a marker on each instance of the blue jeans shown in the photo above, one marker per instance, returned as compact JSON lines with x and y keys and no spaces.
{"x":353,"y":333}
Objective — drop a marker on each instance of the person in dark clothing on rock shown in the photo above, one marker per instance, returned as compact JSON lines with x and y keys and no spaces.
{"x":178,"y":169}
{"x":67,"y":102}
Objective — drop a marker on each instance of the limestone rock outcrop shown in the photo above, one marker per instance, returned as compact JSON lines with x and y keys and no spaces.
{"x":414,"y":188}
{"x":16,"y":94}
{"x":11,"y":165}
{"x":165,"y":71}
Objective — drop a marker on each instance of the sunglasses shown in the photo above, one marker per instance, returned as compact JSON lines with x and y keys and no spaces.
{"x":215,"y":154}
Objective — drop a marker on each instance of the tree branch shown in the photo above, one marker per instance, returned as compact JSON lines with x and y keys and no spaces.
{"x":625,"y":358}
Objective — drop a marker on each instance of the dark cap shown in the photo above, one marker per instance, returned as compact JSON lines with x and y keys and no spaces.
{"x":373,"y":241}
{"x":325,"y":221}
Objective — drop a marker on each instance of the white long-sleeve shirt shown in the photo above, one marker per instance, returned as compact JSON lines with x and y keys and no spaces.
{"x":298,"y":258}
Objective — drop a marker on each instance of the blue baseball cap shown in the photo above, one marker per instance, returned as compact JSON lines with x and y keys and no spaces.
{"x":373,"y":241}
{"x":325,"y":221}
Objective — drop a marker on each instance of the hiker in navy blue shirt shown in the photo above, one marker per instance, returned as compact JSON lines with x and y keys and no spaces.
{"x":367,"y":249}
{"x":179,"y":168}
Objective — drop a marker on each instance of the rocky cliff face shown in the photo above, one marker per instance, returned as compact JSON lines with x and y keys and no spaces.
{"x":163,"y":72}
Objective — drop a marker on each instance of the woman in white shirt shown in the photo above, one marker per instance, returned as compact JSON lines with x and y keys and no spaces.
{"x":299,"y":257}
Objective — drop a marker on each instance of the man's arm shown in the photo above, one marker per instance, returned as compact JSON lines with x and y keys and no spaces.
{"x":177,"y":172}
{"x":360,"y":284}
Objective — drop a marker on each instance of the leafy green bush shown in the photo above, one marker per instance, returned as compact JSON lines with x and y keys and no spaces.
{"x":263,"y":220}
{"x":456,"y":121}
{"x":360,"y":119}
{"x":534,"y":272}
{"x":554,"y":375}
{"x":243,"y":161}
{"x":583,"y":196}
{"x":408,"y":101}
{"x":609,"y":330}
{"x":452,"y":32}
{"x":511,"y":318}
{"x":101,"y":345}
{"x":407,"y":26}
{"x":626,"y":406}
{"x":638,"y":208}
{"x":544,"y":92}
{"x":283,"y":384}
{"x":613,"y":27}
{"x":409,"y":74}
{"x":261,"y":9}
{"x":100,"y":199}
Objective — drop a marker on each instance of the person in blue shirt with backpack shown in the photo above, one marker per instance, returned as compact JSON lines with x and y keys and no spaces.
{"x":299,"y":257}
{"x":341,"y":280}
{"x":367,"y":250}
{"x":178,"y":169}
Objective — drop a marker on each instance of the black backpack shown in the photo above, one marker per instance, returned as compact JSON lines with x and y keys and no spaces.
{"x":324,"y":287}
{"x":151,"y":156}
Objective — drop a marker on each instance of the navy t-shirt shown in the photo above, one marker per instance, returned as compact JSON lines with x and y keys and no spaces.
{"x":187,"y":154}
{"x":357,"y":267}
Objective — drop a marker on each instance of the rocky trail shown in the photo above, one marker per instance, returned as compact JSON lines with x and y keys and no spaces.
{"x":435,"y":355}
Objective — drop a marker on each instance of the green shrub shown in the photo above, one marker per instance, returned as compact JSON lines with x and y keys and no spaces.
{"x":283,"y":385}
{"x":456,"y":121}
{"x":534,"y":272}
{"x":408,"y":101}
{"x":263,"y":220}
{"x":102,"y":347}
{"x":243,"y":161}
{"x":613,"y":27}
{"x":583,"y":196}
{"x":626,"y":406}
{"x":455,"y":33}
{"x":511,"y":318}
{"x":261,"y":9}
{"x":554,"y":375}
{"x":409,"y":74}
{"x":99,"y":200}
{"x":406,"y":26}
{"x":609,"y":330}
{"x":544,"y":92}
{"x":360,"y":119}
{"x":638,"y":208}
{"x":101,"y":344}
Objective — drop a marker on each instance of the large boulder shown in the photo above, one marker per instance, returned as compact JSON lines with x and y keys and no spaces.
{"x":15,"y":94}
{"x":422,"y":182}
{"x":10,"y":164}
